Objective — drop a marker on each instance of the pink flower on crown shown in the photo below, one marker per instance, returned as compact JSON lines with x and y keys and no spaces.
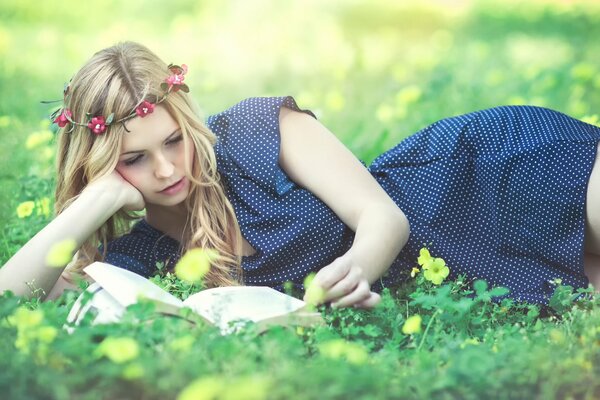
{"x":176,"y":79}
{"x":97,"y":125}
{"x":144,"y":109}
{"x":63,"y":118}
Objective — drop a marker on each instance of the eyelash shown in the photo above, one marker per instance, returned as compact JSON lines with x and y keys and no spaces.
{"x":137,"y":158}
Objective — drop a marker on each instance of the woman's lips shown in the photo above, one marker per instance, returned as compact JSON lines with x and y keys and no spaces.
{"x":174,"y":188}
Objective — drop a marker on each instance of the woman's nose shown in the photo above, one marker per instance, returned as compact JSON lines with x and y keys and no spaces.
{"x":163,"y":167}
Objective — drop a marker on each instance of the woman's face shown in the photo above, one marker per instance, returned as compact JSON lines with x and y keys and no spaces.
{"x":152,"y":158}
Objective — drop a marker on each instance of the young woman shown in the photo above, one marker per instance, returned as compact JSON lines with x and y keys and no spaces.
{"x":508,"y":194}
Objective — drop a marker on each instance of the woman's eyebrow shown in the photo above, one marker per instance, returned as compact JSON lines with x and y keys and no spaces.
{"x":141,"y":151}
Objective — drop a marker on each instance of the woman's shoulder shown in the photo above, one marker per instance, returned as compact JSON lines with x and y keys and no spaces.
{"x":259,"y":106}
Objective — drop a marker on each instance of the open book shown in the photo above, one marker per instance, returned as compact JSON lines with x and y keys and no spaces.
{"x":226,"y":307}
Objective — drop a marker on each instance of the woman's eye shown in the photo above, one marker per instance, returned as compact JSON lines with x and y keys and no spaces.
{"x":175,"y":140}
{"x":137,"y":158}
{"x":132,"y":161}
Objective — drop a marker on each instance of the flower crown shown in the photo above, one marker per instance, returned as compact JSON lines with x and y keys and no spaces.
{"x":98,"y":124}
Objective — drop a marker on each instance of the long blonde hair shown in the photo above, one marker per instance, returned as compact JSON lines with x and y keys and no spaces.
{"x":115,"y":80}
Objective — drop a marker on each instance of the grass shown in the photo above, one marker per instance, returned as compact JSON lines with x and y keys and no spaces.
{"x":373,"y":73}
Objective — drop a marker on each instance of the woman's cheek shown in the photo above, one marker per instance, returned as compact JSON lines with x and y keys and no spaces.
{"x":129,"y":175}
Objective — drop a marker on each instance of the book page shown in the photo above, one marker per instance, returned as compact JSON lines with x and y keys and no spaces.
{"x":127,"y":287}
{"x":255,"y":303}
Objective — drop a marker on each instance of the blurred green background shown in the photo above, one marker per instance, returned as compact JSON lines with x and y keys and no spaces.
{"x":372,"y":71}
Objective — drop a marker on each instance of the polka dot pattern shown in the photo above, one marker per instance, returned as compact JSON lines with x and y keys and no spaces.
{"x":498,"y":193}
{"x":141,"y":249}
{"x":293,"y":232}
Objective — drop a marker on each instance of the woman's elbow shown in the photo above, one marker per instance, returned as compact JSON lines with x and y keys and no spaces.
{"x":397,"y":219}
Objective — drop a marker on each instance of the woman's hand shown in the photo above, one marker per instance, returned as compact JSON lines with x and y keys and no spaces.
{"x":130,"y":198}
{"x":343,"y":284}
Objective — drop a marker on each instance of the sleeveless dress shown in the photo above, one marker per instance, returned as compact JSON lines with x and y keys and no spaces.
{"x":499,"y":194}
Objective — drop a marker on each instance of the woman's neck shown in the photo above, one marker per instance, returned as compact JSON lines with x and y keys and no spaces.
{"x":170,"y":220}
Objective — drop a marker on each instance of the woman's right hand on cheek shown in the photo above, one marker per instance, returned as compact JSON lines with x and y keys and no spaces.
{"x":131,"y":199}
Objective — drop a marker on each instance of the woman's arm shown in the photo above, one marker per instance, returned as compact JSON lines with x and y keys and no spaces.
{"x":315,"y":159}
{"x":98,"y":202}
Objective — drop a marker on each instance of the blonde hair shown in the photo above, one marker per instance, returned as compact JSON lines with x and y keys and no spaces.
{"x":117,"y":79}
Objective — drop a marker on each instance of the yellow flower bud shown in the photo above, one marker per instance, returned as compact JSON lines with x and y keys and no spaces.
{"x":424,"y":258}
{"x":24,"y":318}
{"x":253,"y":387}
{"x":314,"y":294}
{"x":412,"y":325}
{"x":43,"y":206}
{"x":38,"y":138}
{"x":46,"y":334}
{"x":194,"y":264}
{"x":205,"y":388}
{"x":25,"y":209}
{"x":118,"y":349}
{"x":340,"y":348}
{"x":61,"y":253}
{"x":183,"y":343}
{"x":133,"y":371}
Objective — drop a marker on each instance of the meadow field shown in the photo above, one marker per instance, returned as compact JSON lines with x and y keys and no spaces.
{"x":373,"y":72}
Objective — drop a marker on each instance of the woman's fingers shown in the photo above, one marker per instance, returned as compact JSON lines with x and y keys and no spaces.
{"x":361,"y":293}
{"x":331,"y":274}
{"x":370,"y":302}
{"x":345,"y":286}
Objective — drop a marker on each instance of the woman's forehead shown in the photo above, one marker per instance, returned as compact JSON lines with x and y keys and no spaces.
{"x":145,"y":131}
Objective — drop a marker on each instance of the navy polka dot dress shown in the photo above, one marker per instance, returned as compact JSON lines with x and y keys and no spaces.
{"x":499,"y":194}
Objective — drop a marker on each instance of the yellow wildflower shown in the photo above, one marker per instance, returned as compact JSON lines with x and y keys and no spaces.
{"x":61,"y":253}
{"x":38,"y":138}
{"x":414,"y":272}
{"x":31,"y":334}
{"x":194,"y":264}
{"x":412,"y":325}
{"x":251,"y":387}
{"x":23,"y":318}
{"x":182,"y":344}
{"x":133,"y":371}
{"x":384,"y":113}
{"x":340,"y":348}
{"x":43,"y":206}
{"x":424,"y":258}
{"x":46,"y":334}
{"x":314,"y":294}
{"x":25,"y":209}
{"x":206,"y":388}
{"x":437,"y":271}
{"x":118,"y":349}
{"x":217,"y":387}
{"x":408,"y":95}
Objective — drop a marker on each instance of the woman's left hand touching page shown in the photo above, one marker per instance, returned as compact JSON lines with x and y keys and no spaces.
{"x":342,"y":283}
